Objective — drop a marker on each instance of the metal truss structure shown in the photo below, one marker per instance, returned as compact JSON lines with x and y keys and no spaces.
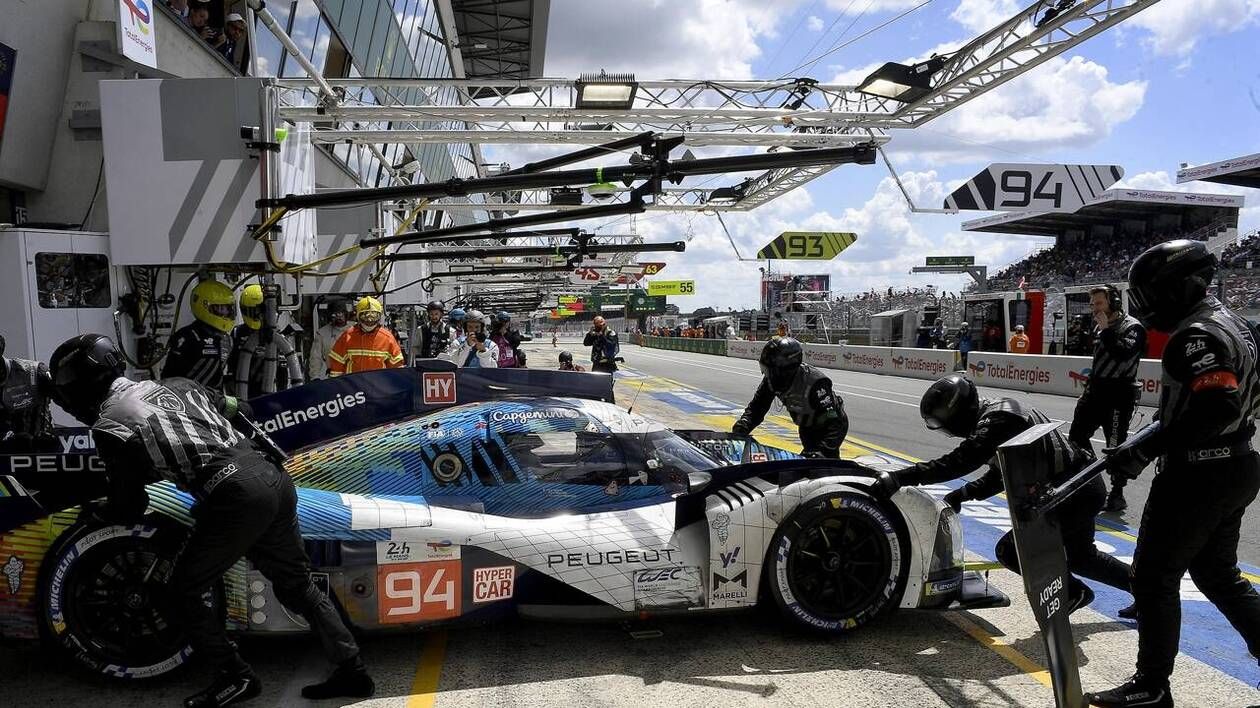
{"x":787,"y":114}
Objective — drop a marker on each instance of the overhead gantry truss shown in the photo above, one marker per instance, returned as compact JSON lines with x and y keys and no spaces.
{"x":788,"y":114}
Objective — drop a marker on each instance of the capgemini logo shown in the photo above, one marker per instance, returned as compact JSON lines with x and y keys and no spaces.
{"x":140,"y":14}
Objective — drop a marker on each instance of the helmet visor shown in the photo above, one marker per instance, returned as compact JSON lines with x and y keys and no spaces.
{"x":369,"y":317}
{"x":227,"y":311}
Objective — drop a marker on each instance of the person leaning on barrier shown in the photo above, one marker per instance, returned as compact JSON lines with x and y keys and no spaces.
{"x":1208,"y":471}
{"x":806,"y":393}
{"x":953,"y":406}
{"x":1111,"y":391}
{"x":246,"y":505}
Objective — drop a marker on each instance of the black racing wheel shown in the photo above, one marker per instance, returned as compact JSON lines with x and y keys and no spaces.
{"x":104,"y":600}
{"x":838,"y":562}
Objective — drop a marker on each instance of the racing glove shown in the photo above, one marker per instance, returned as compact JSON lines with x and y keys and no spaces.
{"x":741,"y":427}
{"x":885,"y":485}
{"x":955,"y":499}
{"x":1127,"y":461}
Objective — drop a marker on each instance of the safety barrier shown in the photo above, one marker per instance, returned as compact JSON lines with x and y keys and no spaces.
{"x":1034,"y":373}
{"x":717,"y":347}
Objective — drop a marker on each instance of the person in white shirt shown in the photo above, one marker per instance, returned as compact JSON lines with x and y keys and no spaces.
{"x":322,"y":342}
{"x":474,"y":349}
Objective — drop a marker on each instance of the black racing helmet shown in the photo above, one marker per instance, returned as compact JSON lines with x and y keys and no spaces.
{"x":566,"y":357}
{"x":780,"y":360}
{"x":82,"y":369}
{"x":435,"y":305}
{"x":951,"y":405}
{"x":1168,"y":280}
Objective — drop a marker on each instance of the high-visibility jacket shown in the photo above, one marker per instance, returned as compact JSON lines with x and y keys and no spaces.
{"x":1018,"y":344}
{"x":356,"y":350}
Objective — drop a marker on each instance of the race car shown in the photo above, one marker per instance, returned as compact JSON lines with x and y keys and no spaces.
{"x":540,"y":505}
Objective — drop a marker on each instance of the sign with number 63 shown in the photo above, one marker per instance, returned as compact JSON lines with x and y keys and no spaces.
{"x":1031,"y":187}
{"x":672,"y":287}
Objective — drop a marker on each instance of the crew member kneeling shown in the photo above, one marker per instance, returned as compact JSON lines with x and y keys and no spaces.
{"x":180,"y":431}
{"x":806,"y":393}
{"x":953,"y":406}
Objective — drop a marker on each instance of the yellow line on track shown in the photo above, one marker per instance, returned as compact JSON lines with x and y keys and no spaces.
{"x":1001,"y":648}
{"x":424,"y":687}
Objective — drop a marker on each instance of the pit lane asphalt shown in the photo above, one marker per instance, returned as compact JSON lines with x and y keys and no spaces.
{"x":985,"y":658}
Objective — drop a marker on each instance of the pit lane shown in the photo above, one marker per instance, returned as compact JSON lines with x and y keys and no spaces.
{"x":985,"y":658}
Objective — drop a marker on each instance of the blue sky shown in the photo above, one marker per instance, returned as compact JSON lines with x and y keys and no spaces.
{"x":1179,"y":82}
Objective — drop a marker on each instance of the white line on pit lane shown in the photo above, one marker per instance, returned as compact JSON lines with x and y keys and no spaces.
{"x":757,"y":375}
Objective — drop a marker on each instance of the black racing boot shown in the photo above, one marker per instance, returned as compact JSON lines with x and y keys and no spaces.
{"x":1128,"y":613}
{"x":1079,"y":596}
{"x":349,"y":680}
{"x":227,"y":689}
{"x":1115,"y":500}
{"x":1138,"y":691}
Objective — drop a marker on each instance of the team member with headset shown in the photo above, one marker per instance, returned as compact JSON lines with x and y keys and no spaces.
{"x":953,"y":406}
{"x":191,"y":436}
{"x":1208,"y":472}
{"x":806,"y":393}
{"x":199,"y":351}
{"x":1111,"y":391}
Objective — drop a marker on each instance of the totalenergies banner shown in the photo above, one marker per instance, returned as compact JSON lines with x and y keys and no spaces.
{"x":1062,"y":375}
{"x":897,"y":361}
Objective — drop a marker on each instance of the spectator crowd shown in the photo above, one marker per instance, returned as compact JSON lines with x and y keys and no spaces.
{"x":229,"y":39}
{"x":1090,"y":260}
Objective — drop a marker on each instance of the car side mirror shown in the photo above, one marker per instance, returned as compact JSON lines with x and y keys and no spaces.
{"x":697,"y":481}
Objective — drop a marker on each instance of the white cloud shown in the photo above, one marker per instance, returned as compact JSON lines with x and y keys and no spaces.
{"x":814,"y":23}
{"x":871,"y":7}
{"x":715,"y":39}
{"x":1062,"y":103}
{"x":983,"y":15}
{"x":1176,"y":26}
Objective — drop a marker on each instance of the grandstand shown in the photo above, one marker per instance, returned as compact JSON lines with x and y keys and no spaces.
{"x":1099,"y":241}
{"x":1240,"y":275}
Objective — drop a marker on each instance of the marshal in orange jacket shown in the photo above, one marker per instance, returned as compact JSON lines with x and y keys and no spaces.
{"x":356,"y":350}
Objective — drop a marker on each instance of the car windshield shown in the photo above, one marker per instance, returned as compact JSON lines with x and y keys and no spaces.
{"x":666,"y":454}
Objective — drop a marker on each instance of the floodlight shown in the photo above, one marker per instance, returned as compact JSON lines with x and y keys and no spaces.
{"x":611,"y":91}
{"x":900,"y":82}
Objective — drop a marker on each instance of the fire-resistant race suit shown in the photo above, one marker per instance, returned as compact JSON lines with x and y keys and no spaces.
{"x":1000,"y":420}
{"x":1111,"y":391}
{"x":25,"y":422}
{"x":1208,"y":475}
{"x":198,"y":352}
{"x":817,"y":411}
{"x":246,"y":506}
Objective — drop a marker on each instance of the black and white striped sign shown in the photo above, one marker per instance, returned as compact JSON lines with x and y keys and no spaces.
{"x":1032,"y":187}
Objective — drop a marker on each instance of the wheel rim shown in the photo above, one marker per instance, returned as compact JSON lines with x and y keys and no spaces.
{"x":838,"y":566}
{"x":118,"y":609}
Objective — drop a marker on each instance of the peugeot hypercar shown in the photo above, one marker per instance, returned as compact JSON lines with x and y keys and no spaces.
{"x":550,"y":507}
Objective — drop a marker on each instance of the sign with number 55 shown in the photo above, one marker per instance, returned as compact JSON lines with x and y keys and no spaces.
{"x":1031,"y":187}
{"x":672,"y":287}
{"x":418,"y":592}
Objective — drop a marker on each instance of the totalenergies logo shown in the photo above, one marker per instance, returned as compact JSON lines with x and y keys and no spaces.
{"x":976,"y":369}
{"x":1079,"y":378}
{"x":141,"y":17}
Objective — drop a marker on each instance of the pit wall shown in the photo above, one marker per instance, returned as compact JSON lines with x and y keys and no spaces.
{"x":1034,"y":373}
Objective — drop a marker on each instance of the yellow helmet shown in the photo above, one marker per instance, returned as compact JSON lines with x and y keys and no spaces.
{"x":213,"y":304}
{"x":252,"y":306}
{"x":368,"y":311}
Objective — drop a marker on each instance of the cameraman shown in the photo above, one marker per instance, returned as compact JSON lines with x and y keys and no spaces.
{"x":473,"y":349}
{"x":604,"y":346}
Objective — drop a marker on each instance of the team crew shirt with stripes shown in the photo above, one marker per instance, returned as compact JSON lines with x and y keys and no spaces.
{"x":173,"y":431}
{"x":1118,"y":349}
{"x":356,"y":350}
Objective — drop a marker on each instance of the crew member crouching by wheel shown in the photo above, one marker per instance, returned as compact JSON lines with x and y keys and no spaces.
{"x":246,"y":505}
{"x":806,"y":393}
{"x":1208,"y":472}
{"x":1111,"y":392}
{"x":953,"y":406}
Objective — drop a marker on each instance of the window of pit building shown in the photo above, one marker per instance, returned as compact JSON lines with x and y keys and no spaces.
{"x":72,"y":280}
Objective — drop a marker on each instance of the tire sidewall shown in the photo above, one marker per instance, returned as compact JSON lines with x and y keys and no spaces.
{"x":811,"y":511}
{"x":55,"y":583}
